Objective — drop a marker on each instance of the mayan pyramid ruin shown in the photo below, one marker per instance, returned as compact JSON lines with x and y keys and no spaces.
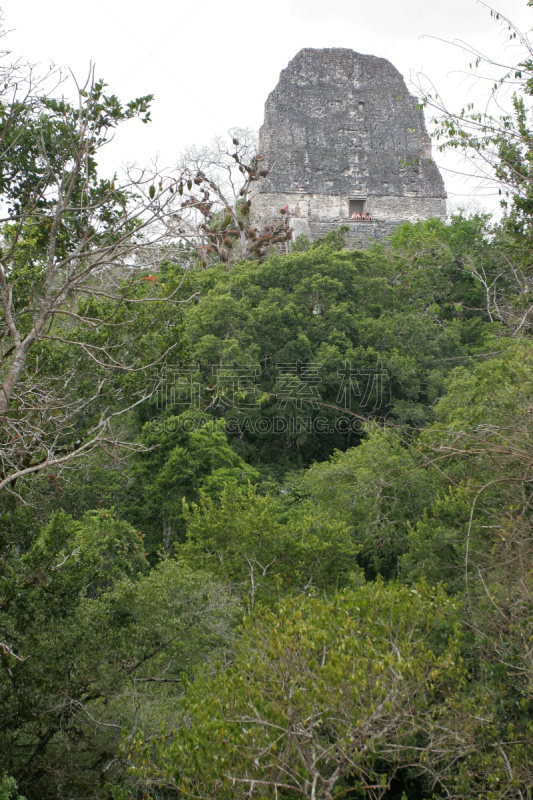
{"x":343,"y":136}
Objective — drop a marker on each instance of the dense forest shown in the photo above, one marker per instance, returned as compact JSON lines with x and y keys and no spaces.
{"x":266,"y":527}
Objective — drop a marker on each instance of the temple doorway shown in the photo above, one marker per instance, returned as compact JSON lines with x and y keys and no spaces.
{"x":356,"y":206}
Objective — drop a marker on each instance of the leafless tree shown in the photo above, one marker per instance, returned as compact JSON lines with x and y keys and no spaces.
{"x":216,"y":205}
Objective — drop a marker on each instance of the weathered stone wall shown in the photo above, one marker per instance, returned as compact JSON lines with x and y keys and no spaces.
{"x":332,"y":207}
{"x":338,"y":126}
{"x":360,"y":234}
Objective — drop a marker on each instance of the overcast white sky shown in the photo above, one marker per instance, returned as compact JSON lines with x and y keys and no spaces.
{"x":212,"y":64}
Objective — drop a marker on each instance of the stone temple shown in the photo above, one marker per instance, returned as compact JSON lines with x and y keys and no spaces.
{"x":343,"y":135}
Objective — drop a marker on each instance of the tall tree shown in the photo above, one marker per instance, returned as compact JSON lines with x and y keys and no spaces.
{"x":72,"y":271}
{"x":216,"y":204}
{"x":324,"y":699}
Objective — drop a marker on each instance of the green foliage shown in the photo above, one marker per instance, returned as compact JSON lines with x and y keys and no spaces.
{"x":97,"y":644}
{"x":481,"y":438}
{"x":77,"y":327}
{"x":104,"y":631}
{"x":411,"y":309}
{"x":378,"y":490}
{"x":377,"y":533}
{"x":183,"y":457}
{"x":372,"y":676}
{"x":8,"y":789}
{"x":242,"y":541}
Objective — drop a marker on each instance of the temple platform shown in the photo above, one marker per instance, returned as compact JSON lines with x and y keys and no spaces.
{"x":361,"y":233}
